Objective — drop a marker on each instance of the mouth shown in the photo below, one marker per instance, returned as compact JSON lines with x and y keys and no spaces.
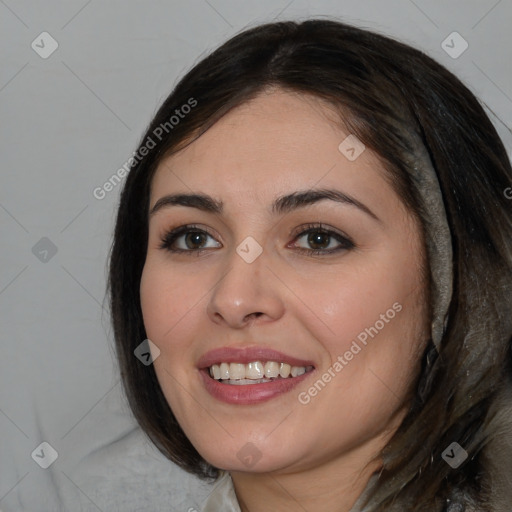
{"x":251,"y":375}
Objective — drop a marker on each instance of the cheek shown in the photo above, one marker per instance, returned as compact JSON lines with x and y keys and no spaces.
{"x":172,"y":306}
{"x":154,"y":302}
{"x":350,"y":302}
{"x":165,"y":300}
{"x":373,"y":361}
{"x":375,"y":318}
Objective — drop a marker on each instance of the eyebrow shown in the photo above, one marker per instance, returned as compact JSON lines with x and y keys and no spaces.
{"x":283,"y":204}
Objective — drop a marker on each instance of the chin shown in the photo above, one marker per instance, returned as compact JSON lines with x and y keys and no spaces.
{"x":248,"y":457}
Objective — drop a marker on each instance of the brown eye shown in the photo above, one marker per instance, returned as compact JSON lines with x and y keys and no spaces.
{"x":187,"y":239}
{"x":194,"y":239}
{"x":318,"y":240}
{"x":321,"y":241}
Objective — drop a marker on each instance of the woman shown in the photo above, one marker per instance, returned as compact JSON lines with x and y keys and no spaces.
{"x":315,"y":239}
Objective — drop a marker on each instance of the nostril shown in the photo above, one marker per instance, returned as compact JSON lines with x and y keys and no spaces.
{"x":252,"y":316}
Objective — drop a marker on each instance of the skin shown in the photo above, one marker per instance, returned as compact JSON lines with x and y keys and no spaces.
{"x":321,"y":454}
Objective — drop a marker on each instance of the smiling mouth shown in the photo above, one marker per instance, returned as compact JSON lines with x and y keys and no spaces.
{"x":256,"y":372}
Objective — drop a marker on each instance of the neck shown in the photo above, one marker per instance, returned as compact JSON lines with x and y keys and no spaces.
{"x":334,"y":486}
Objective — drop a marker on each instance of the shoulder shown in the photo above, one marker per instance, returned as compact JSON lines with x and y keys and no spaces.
{"x":495,"y":457}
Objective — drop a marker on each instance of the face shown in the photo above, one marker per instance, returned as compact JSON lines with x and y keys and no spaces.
{"x":298,"y":257}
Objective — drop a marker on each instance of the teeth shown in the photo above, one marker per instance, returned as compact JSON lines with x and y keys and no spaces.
{"x":215,"y":371}
{"x":224,"y":371}
{"x":271,"y":369}
{"x":284,"y":370}
{"x":255,"y":372}
{"x":297,"y":370}
{"x":243,"y":382}
{"x":236,"y":371}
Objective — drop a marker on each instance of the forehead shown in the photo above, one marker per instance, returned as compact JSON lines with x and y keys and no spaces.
{"x":278,"y":141}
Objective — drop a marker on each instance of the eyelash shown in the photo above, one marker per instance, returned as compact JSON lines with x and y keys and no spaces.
{"x":345,"y":242}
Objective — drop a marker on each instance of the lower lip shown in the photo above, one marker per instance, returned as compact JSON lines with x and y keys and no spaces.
{"x":250,"y":393}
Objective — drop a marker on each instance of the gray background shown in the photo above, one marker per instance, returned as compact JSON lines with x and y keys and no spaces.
{"x":68,"y":122}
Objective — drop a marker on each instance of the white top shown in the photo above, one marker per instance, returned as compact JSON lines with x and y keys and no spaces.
{"x":223,"y":497}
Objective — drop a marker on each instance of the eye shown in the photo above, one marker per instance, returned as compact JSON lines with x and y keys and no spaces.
{"x":189,"y":238}
{"x":322,"y":240}
{"x":192,"y":239}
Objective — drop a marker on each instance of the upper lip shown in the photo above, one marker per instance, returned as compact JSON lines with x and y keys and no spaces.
{"x":248,"y":355}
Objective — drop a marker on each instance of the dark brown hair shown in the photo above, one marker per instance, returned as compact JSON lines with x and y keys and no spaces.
{"x":376,"y":83}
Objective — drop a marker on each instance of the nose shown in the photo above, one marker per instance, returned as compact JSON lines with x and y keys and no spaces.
{"x":246,"y":293}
